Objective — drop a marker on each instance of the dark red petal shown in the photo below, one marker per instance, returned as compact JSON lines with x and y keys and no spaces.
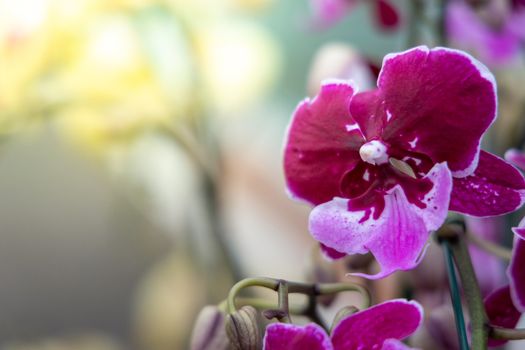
{"x":441,"y":101}
{"x":495,"y":188}
{"x":370,"y":328}
{"x":501,"y":311}
{"x":386,"y":14}
{"x":516,"y":274}
{"x":368,"y":110}
{"x":323,"y":144}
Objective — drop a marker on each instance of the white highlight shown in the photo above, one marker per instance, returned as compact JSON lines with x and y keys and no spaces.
{"x":352,"y":127}
{"x":374,"y":152}
{"x":366,"y":175}
{"x":413,"y":142}
{"x":388,"y":115}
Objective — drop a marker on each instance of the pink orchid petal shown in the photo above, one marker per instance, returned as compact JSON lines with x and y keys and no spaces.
{"x":495,"y":188}
{"x":370,"y":328}
{"x":394,"y":344}
{"x":397,"y":237}
{"x":285,"y":336}
{"x":386,"y":14}
{"x":435,"y":98}
{"x":323,"y":144}
{"x":516,"y":274}
{"x":501,"y":311}
{"x":331,"y":253}
{"x":467,"y":30}
{"x":516,"y":158}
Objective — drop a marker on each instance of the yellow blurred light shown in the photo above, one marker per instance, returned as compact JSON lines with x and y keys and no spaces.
{"x":239,"y":61}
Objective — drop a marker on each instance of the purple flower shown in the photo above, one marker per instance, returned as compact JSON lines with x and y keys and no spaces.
{"x":379,"y":327}
{"x":496,"y":40}
{"x":516,"y":269}
{"x":501,"y":311}
{"x":382,"y":167}
{"x":328,"y":12}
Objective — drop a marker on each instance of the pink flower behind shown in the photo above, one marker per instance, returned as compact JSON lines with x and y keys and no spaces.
{"x":327,"y":12}
{"x":495,"y":44}
{"x":383,"y":167}
{"x":379,"y":327}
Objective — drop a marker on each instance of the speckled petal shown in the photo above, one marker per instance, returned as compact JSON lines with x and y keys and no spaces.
{"x":495,"y":188}
{"x":322,"y":145}
{"x":440,"y":103}
{"x":370,"y":328}
{"x":397,"y":237}
{"x":501,"y":311}
{"x":285,"y":336}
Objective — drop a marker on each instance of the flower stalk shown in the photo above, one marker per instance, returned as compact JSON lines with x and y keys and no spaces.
{"x":452,"y":235}
{"x":284,"y":288}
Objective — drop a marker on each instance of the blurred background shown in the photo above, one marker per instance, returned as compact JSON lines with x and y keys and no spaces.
{"x":140,"y":154}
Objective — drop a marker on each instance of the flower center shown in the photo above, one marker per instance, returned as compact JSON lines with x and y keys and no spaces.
{"x":374,"y":152}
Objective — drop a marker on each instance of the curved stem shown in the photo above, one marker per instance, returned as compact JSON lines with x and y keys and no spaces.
{"x":312,"y":290}
{"x":488,"y":246}
{"x":269,"y":283}
{"x":496,"y":332}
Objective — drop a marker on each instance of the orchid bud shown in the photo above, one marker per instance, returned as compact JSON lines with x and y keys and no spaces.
{"x":242,"y":328}
{"x":340,"y":61}
{"x":209,"y":332}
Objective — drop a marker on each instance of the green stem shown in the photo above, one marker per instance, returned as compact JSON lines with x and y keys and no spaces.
{"x":333,"y":288}
{"x":286,"y":287}
{"x":478,"y":316}
{"x":283,"y":302}
{"x":269,"y":283}
{"x":455,"y":297}
{"x":496,"y":332}
{"x":454,"y":234}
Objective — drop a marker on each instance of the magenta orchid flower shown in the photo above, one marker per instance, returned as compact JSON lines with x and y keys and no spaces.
{"x":328,"y":12}
{"x":501,"y":311}
{"x":380,"y":327}
{"x":495,"y":43}
{"x":383,"y":167}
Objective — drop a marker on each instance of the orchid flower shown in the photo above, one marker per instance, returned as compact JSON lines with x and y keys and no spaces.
{"x":380,"y":327}
{"x":328,"y":12}
{"x":497,"y":40}
{"x":383,"y":167}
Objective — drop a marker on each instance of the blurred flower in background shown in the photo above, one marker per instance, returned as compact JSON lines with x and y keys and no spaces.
{"x":494,"y":31}
{"x":108,"y":70}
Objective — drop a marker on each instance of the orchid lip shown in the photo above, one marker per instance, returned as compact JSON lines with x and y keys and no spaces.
{"x":374,"y":152}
